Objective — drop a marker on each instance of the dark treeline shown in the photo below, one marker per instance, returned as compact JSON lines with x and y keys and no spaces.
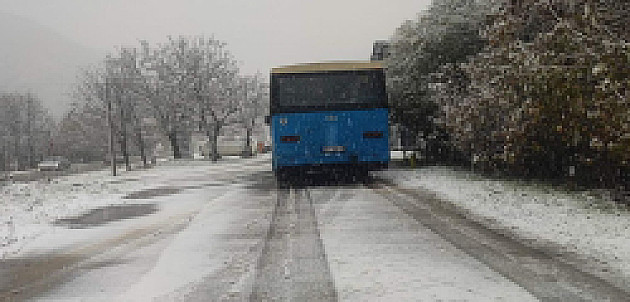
{"x":530,"y":88}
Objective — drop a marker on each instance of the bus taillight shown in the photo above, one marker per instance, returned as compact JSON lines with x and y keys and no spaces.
{"x":373,"y":134}
{"x":290,"y":138}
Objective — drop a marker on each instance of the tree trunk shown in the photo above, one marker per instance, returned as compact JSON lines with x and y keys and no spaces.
{"x":248,"y":147}
{"x":3,"y":166}
{"x":172,"y":137}
{"x":123,"y":147}
{"x":17,"y":152}
{"x":110,"y":122}
{"x":143,"y":156}
{"x":140,"y":141}
{"x":215,"y":142}
{"x":123,"y":133}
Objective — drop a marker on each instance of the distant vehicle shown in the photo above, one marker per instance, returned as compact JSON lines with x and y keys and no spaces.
{"x":329,"y":115}
{"x":54,"y":163}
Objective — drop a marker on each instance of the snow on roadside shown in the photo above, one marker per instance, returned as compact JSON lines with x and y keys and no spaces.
{"x":584,"y":222}
{"x":29,"y":209}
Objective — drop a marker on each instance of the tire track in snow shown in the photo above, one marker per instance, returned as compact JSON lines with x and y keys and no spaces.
{"x":293,"y":265}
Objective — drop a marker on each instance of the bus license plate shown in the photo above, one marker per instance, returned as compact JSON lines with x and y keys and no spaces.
{"x":334,"y":148}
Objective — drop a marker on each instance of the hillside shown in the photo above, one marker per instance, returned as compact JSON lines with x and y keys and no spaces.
{"x":36,"y":58}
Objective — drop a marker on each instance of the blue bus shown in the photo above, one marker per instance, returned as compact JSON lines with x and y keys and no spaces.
{"x":329,"y":115}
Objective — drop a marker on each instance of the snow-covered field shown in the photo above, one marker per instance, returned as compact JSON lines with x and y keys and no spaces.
{"x":29,"y":209}
{"x":585,"y":223}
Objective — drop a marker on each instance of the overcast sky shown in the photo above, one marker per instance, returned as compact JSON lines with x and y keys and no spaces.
{"x":260,"y":33}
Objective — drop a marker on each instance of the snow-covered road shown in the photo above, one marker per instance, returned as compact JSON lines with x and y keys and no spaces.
{"x":587,"y":228}
{"x":200,"y":231}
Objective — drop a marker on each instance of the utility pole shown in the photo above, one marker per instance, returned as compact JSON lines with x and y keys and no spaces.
{"x":18,"y":134}
{"x":137,"y":117}
{"x":127,"y":67}
{"x":108,"y":99}
{"x":29,"y":105}
{"x":123,"y":126}
{"x":248,"y":126}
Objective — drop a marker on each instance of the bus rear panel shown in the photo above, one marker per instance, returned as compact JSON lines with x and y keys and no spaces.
{"x":357,"y":137}
{"x":329,"y":115}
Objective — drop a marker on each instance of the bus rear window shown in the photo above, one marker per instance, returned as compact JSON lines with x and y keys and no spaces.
{"x":329,"y":89}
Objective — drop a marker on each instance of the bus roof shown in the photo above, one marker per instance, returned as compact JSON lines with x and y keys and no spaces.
{"x":328,"y":66}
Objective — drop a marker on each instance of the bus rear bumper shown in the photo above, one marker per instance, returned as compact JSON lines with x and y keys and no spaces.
{"x":331,"y":167}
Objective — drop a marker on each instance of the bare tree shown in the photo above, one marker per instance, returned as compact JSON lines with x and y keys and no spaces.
{"x":186,"y":84}
{"x":25,"y":130}
{"x":162,"y":66}
{"x":195,"y":88}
